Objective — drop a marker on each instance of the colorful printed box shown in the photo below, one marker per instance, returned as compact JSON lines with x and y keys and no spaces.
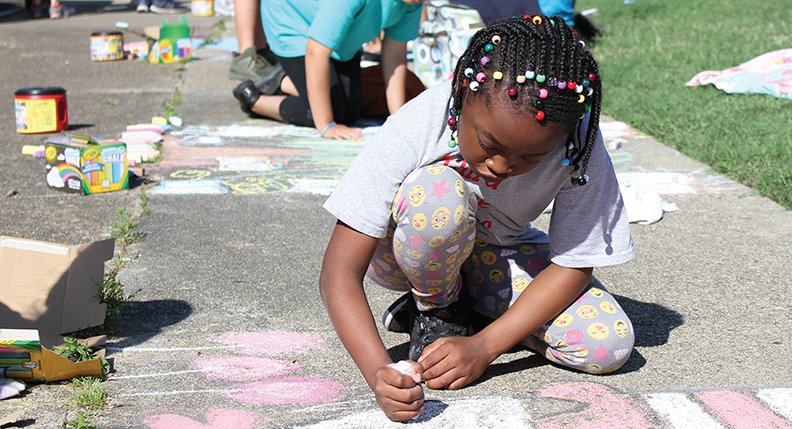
{"x":82,"y":165}
{"x":23,"y":358}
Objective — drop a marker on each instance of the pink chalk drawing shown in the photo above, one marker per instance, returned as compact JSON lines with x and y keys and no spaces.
{"x":242,"y":368}
{"x":741,"y":411}
{"x":288,"y":391}
{"x":605,"y":408}
{"x":218,"y":418}
{"x":271,"y":343}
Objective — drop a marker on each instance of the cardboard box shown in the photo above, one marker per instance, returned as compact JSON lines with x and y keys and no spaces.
{"x":51,"y":287}
{"x":23,"y":358}
{"x":84,"y":166}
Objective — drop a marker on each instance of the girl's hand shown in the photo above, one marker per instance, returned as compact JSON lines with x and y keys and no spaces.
{"x":343,"y":132}
{"x":453,"y":362}
{"x":398,"y":394}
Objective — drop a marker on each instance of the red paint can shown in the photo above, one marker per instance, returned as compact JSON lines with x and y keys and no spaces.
{"x":41,"y":110}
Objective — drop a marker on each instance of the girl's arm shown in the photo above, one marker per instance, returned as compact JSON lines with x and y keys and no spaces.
{"x":317,"y":76}
{"x":341,"y":285}
{"x":457,"y":361}
{"x":394,"y":72}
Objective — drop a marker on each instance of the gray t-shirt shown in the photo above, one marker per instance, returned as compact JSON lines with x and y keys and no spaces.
{"x":588,"y":225}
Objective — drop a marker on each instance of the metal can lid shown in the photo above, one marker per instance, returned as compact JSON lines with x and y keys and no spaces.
{"x":106,"y":33}
{"x":41,"y":90}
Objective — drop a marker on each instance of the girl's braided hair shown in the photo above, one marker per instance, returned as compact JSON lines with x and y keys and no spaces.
{"x":540,"y":65}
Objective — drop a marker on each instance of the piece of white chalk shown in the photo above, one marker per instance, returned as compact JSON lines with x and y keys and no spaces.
{"x":402,"y":366}
{"x":406,"y":368}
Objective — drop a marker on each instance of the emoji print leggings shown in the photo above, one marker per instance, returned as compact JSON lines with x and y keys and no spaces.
{"x":431,"y":249}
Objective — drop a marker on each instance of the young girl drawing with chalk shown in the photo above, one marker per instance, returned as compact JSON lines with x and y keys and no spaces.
{"x":439,"y":205}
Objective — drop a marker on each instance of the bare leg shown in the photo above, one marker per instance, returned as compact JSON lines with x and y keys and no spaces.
{"x":269,"y":106}
{"x":288,"y":88}
{"x":247,"y":18}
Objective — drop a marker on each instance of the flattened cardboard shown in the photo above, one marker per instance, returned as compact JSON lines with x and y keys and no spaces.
{"x":51,"y":287}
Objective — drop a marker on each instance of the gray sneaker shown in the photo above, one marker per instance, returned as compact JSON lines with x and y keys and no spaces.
{"x":249,"y":65}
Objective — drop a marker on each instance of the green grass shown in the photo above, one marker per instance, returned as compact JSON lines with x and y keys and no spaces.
{"x":80,"y":421}
{"x":652,"y":48}
{"x":89,"y":393}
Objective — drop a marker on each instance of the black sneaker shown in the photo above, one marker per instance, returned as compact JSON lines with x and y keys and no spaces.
{"x":247,"y":94}
{"x":431,"y":325}
{"x":400,"y":315}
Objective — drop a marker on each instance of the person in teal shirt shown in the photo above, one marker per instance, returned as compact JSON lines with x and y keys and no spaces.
{"x":318,"y":43}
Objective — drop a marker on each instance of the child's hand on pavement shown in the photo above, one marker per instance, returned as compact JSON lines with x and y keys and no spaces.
{"x":343,"y":132}
{"x":453,"y":362}
{"x":398,"y":391}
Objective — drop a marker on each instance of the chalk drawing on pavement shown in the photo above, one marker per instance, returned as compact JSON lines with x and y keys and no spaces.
{"x":253,"y":159}
{"x":590,"y":406}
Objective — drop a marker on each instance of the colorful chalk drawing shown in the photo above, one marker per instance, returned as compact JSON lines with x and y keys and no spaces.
{"x":590,"y":406}
{"x":263,"y":373}
{"x":217,"y":418}
{"x":265,"y":157}
{"x":267,"y":380}
{"x":251,"y":159}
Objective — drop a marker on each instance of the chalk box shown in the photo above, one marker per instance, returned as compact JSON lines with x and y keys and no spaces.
{"x":86,"y":167}
{"x":23,"y":358}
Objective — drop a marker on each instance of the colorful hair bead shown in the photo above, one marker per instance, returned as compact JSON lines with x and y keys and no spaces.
{"x":497,"y":75}
{"x":452,"y":122}
{"x":581,"y":98}
{"x":474,"y":86}
{"x":489,"y":47}
{"x":496,"y":39}
{"x":541,"y":78}
{"x":521,"y":79}
{"x":485,"y":60}
{"x":586,"y":83}
{"x":579,"y":89}
{"x":452,"y":143}
{"x":571,"y":84}
{"x":469,"y":72}
{"x":480,"y":77}
{"x":552,"y":23}
{"x":589,"y":92}
{"x":539,"y":115}
{"x":583,"y":180}
{"x":537,"y":20}
{"x":592,"y":77}
{"x":512,"y":91}
{"x":530,"y":74}
{"x":526,"y":16}
{"x":562,"y":84}
{"x":582,"y":43}
{"x":565,"y":162}
{"x":552,"y":81}
{"x":543,"y":93}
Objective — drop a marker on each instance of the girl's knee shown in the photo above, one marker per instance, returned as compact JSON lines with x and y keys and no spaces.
{"x":601,"y":347}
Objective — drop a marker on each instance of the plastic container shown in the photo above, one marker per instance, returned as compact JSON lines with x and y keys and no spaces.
{"x":107,"y":46}
{"x":202,"y":7}
{"x":41,"y":110}
{"x":174,"y":44}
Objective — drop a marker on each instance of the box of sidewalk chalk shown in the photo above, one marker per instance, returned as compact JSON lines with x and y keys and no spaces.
{"x":83,"y":165}
{"x":23,"y":358}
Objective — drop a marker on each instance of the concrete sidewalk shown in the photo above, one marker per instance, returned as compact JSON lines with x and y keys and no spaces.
{"x":227,"y":328}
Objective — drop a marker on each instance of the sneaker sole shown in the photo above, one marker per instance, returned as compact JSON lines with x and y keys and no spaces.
{"x":389,"y":321}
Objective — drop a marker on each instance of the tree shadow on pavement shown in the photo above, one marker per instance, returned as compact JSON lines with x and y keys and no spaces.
{"x":141,"y":320}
